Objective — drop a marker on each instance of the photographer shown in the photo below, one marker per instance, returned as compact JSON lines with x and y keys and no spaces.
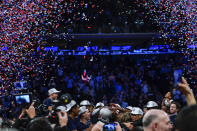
{"x":25,"y":117}
{"x":28,"y":121}
{"x":39,"y":124}
{"x":42,"y":124}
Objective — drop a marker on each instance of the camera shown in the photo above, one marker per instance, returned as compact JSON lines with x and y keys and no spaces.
{"x":23,"y":100}
{"x":53,"y":117}
{"x":41,"y":110}
{"x":63,"y":100}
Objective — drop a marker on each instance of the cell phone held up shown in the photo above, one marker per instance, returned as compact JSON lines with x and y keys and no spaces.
{"x":177,"y":77}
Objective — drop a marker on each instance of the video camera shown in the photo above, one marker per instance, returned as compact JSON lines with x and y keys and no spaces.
{"x":63,"y":100}
{"x":24,"y":100}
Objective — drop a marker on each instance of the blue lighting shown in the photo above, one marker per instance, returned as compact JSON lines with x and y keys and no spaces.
{"x":94,"y":48}
{"x":80,"y":48}
{"x":157,"y":47}
{"x":154,"y":47}
{"x":115,"y":48}
{"x":126,"y":48}
{"x":53,"y":49}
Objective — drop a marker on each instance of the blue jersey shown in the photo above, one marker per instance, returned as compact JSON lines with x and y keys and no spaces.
{"x":81,"y":126}
{"x":71,"y":124}
{"x":47,"y":102}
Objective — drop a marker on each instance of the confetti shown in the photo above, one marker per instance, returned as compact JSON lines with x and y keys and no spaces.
{"x":177,"y":22}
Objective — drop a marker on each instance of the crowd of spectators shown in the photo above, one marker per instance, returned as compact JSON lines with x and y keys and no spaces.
{"x":64,"y":113}
{"x":120,"y":79}
{"x":125,"y":80}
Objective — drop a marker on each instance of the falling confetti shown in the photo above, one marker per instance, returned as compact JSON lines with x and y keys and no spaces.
{"x":177,"y":22}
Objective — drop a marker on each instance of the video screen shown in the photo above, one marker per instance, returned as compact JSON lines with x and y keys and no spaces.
{"x":19,"y":85}
{"x":22,"y":99}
